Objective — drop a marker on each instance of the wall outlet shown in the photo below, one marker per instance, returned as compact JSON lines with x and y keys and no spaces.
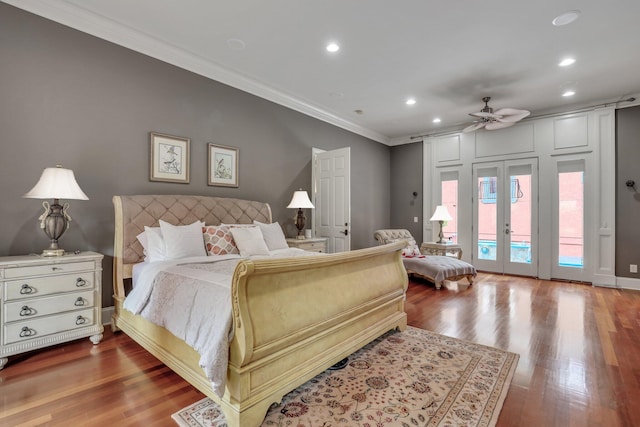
{"x":415,"y":219}
{"x":633,"y":268}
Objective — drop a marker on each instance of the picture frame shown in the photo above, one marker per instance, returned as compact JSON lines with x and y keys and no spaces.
{"x":222,"y":165}
{"x":169,"y":158}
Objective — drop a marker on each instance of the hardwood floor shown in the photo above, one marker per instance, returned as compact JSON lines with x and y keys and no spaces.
{"x":579,"y":362}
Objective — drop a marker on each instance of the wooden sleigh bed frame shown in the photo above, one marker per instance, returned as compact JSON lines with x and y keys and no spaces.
{"x":292,"y":317}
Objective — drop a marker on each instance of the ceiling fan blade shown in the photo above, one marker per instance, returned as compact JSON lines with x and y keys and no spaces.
{"x":512,"y":115}
{"x":510,"y":111}
{"x":499,"y":125}
{"x":474,"y":126}
{"x":485,"y":114}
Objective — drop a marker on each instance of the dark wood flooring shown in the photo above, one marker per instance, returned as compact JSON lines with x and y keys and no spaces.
{"x":579,"y":362}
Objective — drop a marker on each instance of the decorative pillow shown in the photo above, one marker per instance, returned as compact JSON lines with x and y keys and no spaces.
{"x":249,"y":241}
{"x":182,"y":241}
{"x":218,"y":240}
{"x":412,"y":248}
{"x":273,"y":235}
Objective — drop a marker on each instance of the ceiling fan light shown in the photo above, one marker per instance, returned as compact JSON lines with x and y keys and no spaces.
{"x":485,"y":114}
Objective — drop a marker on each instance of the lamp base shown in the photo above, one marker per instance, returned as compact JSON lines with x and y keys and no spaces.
{"x":300,"y":237}
{"x":53,"y":252}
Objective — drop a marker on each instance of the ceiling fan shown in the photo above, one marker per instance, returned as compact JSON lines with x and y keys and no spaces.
{"x":490,"y":120}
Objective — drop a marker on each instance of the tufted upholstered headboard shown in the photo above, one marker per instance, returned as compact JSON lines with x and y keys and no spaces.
{"x":132,"y":213}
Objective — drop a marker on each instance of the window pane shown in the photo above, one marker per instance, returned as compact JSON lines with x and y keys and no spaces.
{"x":487,"y":217}
{"x":450,"y":200}
{"x":571,"y":217}
{"x":520,"y":247}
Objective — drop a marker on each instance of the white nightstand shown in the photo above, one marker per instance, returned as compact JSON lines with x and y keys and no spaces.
{"x":49,"y":300}
{"x":313,"y":244}
{"x":434,"y":248}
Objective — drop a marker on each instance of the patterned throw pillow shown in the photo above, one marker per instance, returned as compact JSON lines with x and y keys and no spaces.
{"x":218,"y":240}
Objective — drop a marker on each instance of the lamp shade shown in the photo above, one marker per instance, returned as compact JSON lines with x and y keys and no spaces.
{"x":300,"y":200}
{"x":57,"y":183}
{"x":441,"y":214}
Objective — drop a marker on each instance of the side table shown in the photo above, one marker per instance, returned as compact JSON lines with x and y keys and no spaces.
{"x":434,"y":248}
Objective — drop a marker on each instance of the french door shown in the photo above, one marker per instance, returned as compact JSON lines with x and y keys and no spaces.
{"x":505,"y":217}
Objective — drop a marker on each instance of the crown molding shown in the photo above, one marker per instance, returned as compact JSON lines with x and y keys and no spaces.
{"x":101,"y":27}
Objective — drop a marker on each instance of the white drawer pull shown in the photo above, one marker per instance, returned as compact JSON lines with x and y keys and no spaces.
{"x":27,"y":311}
{"x":27,"y":332}
{"x":26,"y":289}
{"x":80,"y":320}
{"x":80,"y":282}
{"x":79,"y":302}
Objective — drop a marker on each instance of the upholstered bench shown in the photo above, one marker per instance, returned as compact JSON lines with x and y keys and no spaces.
{"x":435,"y":268}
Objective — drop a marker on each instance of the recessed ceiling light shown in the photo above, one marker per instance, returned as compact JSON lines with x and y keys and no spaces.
{"x":333,"y":47}
{"x":358,"y":111}
{"x":410,"y":101}
{"x":566,"y":18}
{"x":566,"y":62}
{"x":568,"y":93}
{"x":437,"y":120}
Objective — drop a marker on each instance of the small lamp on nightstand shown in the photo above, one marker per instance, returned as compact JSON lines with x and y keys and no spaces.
{"x":300,"y":201}
{"x":441,"y":215}
{"x":55,"y":183}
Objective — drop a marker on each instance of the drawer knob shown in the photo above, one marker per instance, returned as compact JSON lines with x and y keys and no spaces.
{"x":80,"y":320}
{"x":26,"y":332}
{"x":27,"y":311}
{"x":80,"y":282}
{"x":26,"y":289}
{"x":79,"y":302}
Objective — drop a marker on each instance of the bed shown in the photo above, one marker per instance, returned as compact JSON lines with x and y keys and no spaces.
{"x":292,"y":318}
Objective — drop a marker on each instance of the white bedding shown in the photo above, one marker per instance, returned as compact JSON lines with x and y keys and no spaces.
{"x":164,"y":291}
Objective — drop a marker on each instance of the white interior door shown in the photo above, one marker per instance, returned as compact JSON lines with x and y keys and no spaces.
{"x":505,"y":217}
{"x":332,"y":194}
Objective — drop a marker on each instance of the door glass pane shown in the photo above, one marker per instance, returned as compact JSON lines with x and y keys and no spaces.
{"x":570,"y":219}
{"x":450,"y":200}
{"x":520,"y":192}
{"x":487,"y":216}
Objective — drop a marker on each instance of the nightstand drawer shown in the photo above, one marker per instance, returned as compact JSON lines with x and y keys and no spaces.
{"x":37,"y":328}
{"x":40,"y":286}
{"x":31,"y":309}
{"x":313,"y":246}
{"x":39,"y":270}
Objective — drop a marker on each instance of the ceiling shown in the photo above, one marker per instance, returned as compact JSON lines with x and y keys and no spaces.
{"x":446,"y":54}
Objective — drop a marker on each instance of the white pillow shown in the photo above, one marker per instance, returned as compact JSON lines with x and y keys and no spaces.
{"x":273,"y":235}
{"x":249,"y":241}
{"x":153,"y":244}
{"x":182,"y":241}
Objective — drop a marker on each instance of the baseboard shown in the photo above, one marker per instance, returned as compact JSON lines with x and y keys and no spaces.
{"x":628,"y":283}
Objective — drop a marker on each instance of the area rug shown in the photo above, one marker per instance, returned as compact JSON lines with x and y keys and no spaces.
{"x":409,"y":378}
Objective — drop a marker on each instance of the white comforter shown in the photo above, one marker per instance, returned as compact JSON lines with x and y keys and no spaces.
{"x":191,"y":298}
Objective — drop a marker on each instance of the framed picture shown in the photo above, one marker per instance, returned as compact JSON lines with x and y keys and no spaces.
{"x":169,"y":158}
{"x":223,"y":166}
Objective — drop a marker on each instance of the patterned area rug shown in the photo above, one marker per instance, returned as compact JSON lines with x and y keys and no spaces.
{"x":410,"y":378}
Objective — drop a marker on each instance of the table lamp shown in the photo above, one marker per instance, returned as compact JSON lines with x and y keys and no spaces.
{"x":441,"y":215}
{"x":300,"y":201}
{"x":55,"y":183}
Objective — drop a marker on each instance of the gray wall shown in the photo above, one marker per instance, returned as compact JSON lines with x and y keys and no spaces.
{"x":406,"y":167}
{"x":627,"y":199}
{"x":70,"y":98}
